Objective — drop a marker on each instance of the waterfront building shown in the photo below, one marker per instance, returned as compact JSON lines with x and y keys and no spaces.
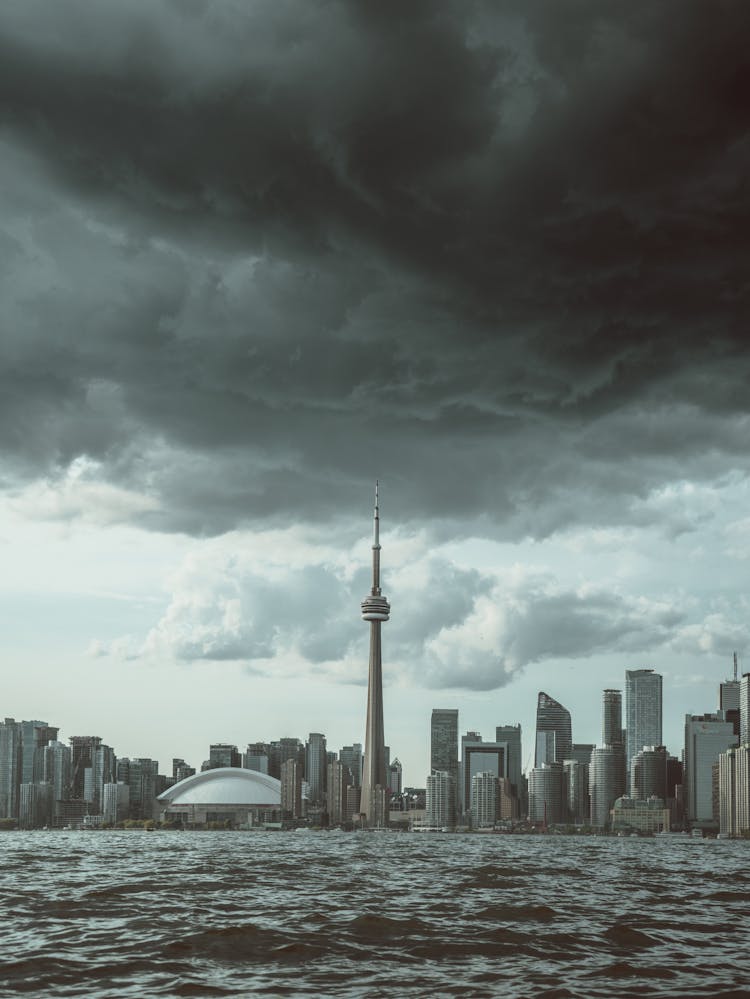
{"x":648,"y":773}
{"x":606,"y":782}
{"x":11,"y":761}
{"x":554,"y":738}
{"x":290,"y":790}
{"x":575,"y":791}
{"x":444,"y":740}
{"x":116,"y":802}
{"x":640,"y":815}
{"x":351,"y":757}
{"x":316,"y":759}
{"x":545,"y":794}
{"x":82,"y":749}
{"x":745,"y":709}
{"x":734,"y":791}
{"x":439,"y":799}
{"x":36,"y":807}
{"x":477,"y":757}
{"x":55,"y":769}
{"x":140,"y":775}
{"x":508,"y":802}
{"x":35,"y":735}
{"x":706,"y":737}
{"x":375,"y":610}
{"x":643,"y":708}
{"x":444,"y":743}
{"x":338,"y":781}
{"x":612,"y":717}
{"x":483,"y":800}
{"x":581,"y":752}
{"x":509,"y":736}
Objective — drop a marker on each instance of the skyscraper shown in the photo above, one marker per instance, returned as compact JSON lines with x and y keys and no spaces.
{"x":606,"y":782}
{"x":554,"y":737}
{"x":706,"y":737}
{"x":375,"y":609}
{"x":444,"y":740}
{"x":643,"y":710}
{"x":745,"y":709}
{"x":511,"y":736}
{"x":611,"y":717}
{"x":480,"y":757}
{"x":11,"y":762}
{"x":545,"y":793}
{"x":440,"y":794}
{"x":315,"y":766}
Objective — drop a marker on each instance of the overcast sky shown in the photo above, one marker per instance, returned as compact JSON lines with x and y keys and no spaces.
{"x":255,"y":255}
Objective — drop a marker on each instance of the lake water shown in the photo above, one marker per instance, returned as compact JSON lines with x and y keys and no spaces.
{"x":119,"y":914}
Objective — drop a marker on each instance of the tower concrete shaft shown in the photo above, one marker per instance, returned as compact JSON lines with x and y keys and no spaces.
{"x":375,"y":609}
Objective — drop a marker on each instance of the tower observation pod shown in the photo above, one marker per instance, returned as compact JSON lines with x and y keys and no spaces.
{"x":375,"y":610}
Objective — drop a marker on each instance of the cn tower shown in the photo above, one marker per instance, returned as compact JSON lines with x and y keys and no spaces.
{"x":375,"y":609}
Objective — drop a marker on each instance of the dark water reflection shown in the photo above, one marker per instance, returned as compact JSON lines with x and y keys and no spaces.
{"x":119,"y":914}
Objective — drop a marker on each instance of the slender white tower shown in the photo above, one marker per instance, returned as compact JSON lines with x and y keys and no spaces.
{"x":375,"y":609}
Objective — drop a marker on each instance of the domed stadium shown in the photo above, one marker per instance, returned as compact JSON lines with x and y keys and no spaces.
{"x":242,"y":798}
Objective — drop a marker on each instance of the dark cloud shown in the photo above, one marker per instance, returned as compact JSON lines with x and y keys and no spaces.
{"x":254,"y":255}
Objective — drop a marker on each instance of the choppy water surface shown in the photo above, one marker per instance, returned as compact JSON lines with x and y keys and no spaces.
{"x":116,"y":914}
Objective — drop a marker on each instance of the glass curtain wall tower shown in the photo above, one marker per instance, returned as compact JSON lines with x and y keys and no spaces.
{"x":643,"y":710}
{"x":375,"y":610}
{"x":554,"y":739}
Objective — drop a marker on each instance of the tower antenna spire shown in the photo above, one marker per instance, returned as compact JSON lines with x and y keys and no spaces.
{"x":735,"y":667}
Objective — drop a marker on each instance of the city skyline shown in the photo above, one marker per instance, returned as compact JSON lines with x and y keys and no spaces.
{"x":255,"y":256}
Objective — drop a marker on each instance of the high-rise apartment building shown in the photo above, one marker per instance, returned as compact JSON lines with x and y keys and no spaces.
{"x":545,"y":794}
{"x":611,"y":717}
{"x":82,"y":749}
{"x":11,"y":762}
{"x":444,"y":750}
{"x":35,"y":735}
{"x":291,"y":789}
{"x":554,"y":737}
{"x":479,"y":757}
{"x":706,"y":737}
{"x":338,"y":780}
{"x":141,"y":780}
{"x":315,"y":767}
{"x":575,"y":791}
{"x":444,"y":740}
{"x":606,"y":781}
{"x":440,"y":796}
{"x":745,"y":709}
{"x":643,"y":710}
{"x":257,"y":757}
{"x":734,"y":791}
{"x":648,"y":773}
{"x":483,"y":800}
{"x":282,"y":750}
{"x":510,"y":737}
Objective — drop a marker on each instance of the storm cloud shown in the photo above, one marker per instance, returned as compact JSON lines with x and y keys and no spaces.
{"x":253,"y":256}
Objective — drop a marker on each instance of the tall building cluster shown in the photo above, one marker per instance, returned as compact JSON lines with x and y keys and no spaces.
{"x":629,"y":782}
